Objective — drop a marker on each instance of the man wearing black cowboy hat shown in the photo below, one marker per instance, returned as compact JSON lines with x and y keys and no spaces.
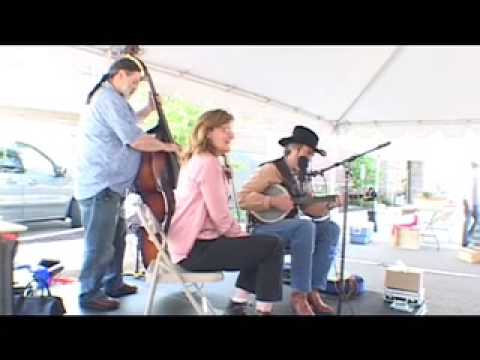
{"x":304,"y":136}
{"x":312,"y":244}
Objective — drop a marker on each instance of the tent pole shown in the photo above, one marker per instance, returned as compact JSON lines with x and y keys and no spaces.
{"x":381,"y":70}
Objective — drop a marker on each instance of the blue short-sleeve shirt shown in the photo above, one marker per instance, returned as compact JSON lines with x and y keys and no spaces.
{"x":104,"y":155}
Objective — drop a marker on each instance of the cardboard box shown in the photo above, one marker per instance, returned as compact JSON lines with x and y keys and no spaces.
{"x":471,"y":256}
{"x":404,"y":278}
{"x":407,"y":239}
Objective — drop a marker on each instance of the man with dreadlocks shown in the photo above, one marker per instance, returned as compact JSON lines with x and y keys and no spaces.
{"x":109,"y":155}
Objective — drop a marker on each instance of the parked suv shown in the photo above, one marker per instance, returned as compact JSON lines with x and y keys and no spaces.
{"x":33,"y":187}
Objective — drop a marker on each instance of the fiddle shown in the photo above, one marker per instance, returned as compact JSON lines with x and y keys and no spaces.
{"x":228,"y":172}
{"x":227,"y":169}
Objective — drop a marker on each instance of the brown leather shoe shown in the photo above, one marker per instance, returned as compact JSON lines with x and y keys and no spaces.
{"x":317,"y":304}
{"x":122,"y":291}
{"x":101,"y":304}
{"x":263,"y":313}
{"x":300,"y":304}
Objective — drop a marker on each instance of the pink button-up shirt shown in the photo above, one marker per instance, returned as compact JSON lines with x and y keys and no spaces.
{"x":202,"y":210}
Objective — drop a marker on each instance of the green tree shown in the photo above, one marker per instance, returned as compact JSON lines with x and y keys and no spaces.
{"x":367,"y":179}
{"x":181,"y":115}
{"x":363,"y":179}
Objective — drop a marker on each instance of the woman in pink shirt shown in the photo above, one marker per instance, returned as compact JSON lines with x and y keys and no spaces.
{"x":204,"y":236}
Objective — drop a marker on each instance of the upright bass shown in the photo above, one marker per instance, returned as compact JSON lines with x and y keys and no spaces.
{"x":158,"y":173}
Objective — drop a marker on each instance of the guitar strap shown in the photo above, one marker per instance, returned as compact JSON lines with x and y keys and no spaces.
{"x":288,"y":180}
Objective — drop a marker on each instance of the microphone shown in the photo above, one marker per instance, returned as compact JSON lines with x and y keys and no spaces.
{"x":302,"y":164}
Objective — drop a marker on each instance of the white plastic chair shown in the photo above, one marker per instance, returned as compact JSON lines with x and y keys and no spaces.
{"x":163,"y":270}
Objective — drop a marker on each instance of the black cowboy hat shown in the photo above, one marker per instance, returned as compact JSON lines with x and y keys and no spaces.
{"x":304,"y":136}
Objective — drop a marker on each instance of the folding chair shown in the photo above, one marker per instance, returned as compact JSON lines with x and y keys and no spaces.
{"x":163,"y":270}
{"x":438,"y":222}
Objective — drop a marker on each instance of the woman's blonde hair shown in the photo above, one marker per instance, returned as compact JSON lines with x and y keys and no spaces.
{"x":199,"y":142}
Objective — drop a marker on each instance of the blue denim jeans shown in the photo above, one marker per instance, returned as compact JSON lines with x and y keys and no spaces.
{"x":471,"y":225}
{"x":326,"y":245}
{"x":312,"y":247}
{"x":105,"y":243}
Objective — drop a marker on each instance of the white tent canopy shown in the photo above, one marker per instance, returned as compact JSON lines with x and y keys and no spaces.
{"x":411,"y":95}
{"x":418,"y":95}
{"x":403,"y":83}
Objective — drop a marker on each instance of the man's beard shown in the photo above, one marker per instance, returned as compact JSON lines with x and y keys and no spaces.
{"x":127,"y":92}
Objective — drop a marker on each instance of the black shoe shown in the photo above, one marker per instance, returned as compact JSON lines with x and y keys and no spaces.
{"x":123,"y":291}
{"x":236,"y":308}
{"x":100,"y":304}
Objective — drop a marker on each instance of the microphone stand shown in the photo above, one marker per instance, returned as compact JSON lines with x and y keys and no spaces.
{"x":348,"y":172}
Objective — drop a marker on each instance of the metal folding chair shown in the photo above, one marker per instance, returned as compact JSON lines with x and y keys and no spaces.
{"x":438,"y":222}
{"x":163,"y":270}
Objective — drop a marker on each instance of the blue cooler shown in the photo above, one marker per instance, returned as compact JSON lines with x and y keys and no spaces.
{"x":360,"y":235}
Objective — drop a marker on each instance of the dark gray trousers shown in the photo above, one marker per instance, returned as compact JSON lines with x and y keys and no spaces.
{"x":259,"y":258}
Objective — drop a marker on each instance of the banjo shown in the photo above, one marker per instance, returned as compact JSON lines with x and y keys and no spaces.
{"x":309,"y":205}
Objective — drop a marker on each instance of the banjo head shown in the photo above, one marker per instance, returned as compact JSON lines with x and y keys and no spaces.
{"x":276,"y":190}
{"x":272,"y":215}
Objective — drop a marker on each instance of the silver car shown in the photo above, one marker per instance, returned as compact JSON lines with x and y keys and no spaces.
{"x":33,"y":187}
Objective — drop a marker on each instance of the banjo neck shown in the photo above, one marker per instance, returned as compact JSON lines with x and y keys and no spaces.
{"x":274,"y":215}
